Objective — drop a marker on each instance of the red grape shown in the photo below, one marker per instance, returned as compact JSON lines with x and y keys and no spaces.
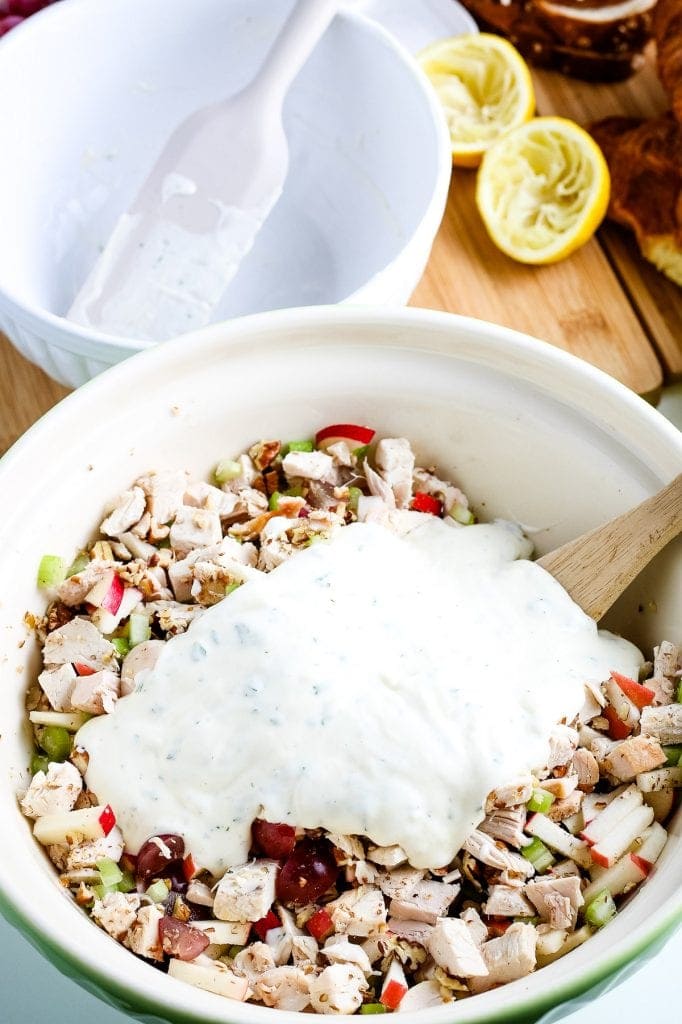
{"x":8,"y":22}
{"x":181,"y":940}
{"x":308,"y":872}
{"x":273,"y":840}
{"x":152,"y":861}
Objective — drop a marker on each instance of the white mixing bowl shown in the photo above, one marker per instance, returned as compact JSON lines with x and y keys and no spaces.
{"x":529,"y":432}
{"x":89,"y":91}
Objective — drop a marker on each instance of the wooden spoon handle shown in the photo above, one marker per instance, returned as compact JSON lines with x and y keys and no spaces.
{"x":596,"y":568}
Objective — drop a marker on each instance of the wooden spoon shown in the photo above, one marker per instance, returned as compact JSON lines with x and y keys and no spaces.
{"x":596,"y":568}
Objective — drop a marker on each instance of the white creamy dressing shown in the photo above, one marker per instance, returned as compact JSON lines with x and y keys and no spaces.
{"x":374,"y":685}
{"x":157,"y":279}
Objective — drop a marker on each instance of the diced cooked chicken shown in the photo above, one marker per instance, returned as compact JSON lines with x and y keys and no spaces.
{"x":635,"y":755}
{"x":341,"y":453}
{"x":73,"y":590}
{"x":562,"y":745}
{"x":286,"y":988}
{"x":97,"y":693}
{"x":79,"y":641}
{"x":594,"y":702}
{"x":416,"y":898}
{"x":387,"y":856}
{"x":127,"y":510}
{"x":358,"y":911}
{"x":254,"y":960}
{"x":228,"y":554}
{"x":173,"y":616}
{"x":563,"y":786}
{"x":447,"y":492}
{"x":483,"y":848}
{"x":116,"y":913}
{"x":395,"y":461}
{"x":56,"y":790}
{"x":477,"y":928}
{"x":143,"y":938}
{"x":203,"y":495}
{"x":585,"y":765}
{"x":508,"y":957}
{"x":378,"y":487}
{"x":506,"y":824}
{"x":338,"y":989}
{"x":140,"y":659}
{"x":663,"y":723}
{"x":512,"y":795}
{"x":57,"y":684}
{"x":413,"y":931}
{"x":566,"y":808}
{"x":165,"y":490}
{"x":200,"y":893}
{"x":246,"y":477}
{"x":398,"y":520}
{"x":308,"y":466}
{"x":342,"y":951}
{"x":452,"y":947}
{"x":350,"y":846}
{"x":247,"y":892}
{"x":663,"y":689}
{"x":507,"y":901}
{"x":667,"y":660}
{"x":194,"y":528}
{"x":557,"y":900}
{"x":86,"y":855}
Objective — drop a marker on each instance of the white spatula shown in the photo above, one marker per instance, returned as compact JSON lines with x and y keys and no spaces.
{"x":172,"y":255}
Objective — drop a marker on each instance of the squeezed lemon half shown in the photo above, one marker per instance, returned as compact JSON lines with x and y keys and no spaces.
{"x":543,"y":190}
{"x":485,"y":88}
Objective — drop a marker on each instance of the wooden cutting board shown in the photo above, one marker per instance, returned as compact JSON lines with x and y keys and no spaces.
{"x":604,"y":304}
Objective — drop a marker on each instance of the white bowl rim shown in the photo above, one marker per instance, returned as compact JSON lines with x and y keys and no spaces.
{"x":433,"y":211}
{"x":233,"y":336}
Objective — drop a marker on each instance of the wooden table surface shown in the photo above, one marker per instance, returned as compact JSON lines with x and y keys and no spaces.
{"x":604,"y":304}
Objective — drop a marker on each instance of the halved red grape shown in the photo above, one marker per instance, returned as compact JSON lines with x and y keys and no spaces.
{"x":159,"y":854}
{"x":308,"y":872}
{"x":8,"y":22}
{"x":273,"y":840}
{"x":181,"y":940}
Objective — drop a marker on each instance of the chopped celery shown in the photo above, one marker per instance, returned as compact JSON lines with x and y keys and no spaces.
{"x":273,"y":503}
{"x":600,"y":909}
{"x":51,"y":571}
{"x":354,"y":495}
{"x":127,"y":883}
{"x":539,"y":855}
{"x":139,"y":629}
{"x":39,"y":763}
{"x":673,"y":755}
{"x":461,"y":515}
{"x":233,"y":950}
{"x":373,"y":1008}
{"x":101,"y":891}
{"x":121,"y":645}
{"x":298,"y":446}
{"x":534,"y":919}
{"x":540,"y":801}
{"x":294,"y":492}
{"x":231,"y":587}
{"x":56,"y":742}
{"x":80,"y":562}
{"x":158,"y":892}
{"x":226,"y":470}
{"x":109,"y":872}
{"x":678,"y":695}
{"x":360,"y":454}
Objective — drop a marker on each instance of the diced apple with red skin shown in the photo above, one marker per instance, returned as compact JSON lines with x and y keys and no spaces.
{"x":212,"y":977}
{"x":107,"y":593}
{"x":74,"y":826}
{"x":615,"y":812}
{"x":394,"y":986}
{"x":106,"y":620}
{"x":224,"y":933}
{"x":641,"y":696}
{"x":354,"y":436}
{"x":607,"y":851}
{"x":622,"y":876}
{"x":653,"y":840}
{"x":557,"y":838}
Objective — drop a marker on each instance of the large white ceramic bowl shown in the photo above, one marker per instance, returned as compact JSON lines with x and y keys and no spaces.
{"x":531,"y":433}
{"x":90,"y":90}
